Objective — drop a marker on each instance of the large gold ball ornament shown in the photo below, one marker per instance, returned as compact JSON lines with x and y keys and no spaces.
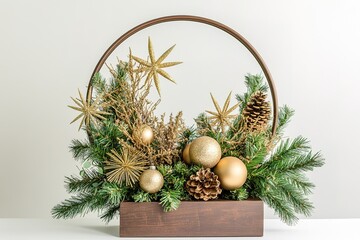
{"x":186,"y":154}
{"x":205,"y":151}
{"x":232,"y":173}
{"x":146,"y":134}
{"x":151,"y":180}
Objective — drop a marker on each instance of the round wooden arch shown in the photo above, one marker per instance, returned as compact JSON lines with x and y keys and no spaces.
{"x":207,"y":21}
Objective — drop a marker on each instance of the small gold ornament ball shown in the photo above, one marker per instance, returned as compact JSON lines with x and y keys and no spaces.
{"x":146,"y":134}
{"x":205,"y":151}
{"x":186,"y":154}
{"x":232,"y":173}
{"x":151,"y":180}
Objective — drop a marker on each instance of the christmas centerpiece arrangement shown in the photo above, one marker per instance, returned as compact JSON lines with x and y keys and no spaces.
{"x":231,"y":152}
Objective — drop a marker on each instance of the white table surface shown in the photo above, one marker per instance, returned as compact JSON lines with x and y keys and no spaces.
{"x":85,"y":228}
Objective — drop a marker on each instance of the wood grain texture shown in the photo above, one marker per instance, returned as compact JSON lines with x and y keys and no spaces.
{"x":193,"y":218}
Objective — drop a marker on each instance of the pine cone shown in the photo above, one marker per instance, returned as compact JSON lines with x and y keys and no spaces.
{"x":257,"y":112}
{"x":204,"y":185}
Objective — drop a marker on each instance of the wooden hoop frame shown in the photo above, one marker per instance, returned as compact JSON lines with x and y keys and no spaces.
{"x":207,"y":21}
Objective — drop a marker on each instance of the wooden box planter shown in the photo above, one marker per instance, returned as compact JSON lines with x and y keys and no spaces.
{"x":193,"y":218}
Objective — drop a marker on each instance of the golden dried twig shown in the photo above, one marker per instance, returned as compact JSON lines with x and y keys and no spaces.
{"x":167,"y":138}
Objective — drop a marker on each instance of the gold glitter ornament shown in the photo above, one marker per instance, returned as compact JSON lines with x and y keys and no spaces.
{"x":186,"y":154}
{"x":232,"y":173}
{"x":144,"y":134}
{"x":205,"y":151}
{"x":151,"y":180}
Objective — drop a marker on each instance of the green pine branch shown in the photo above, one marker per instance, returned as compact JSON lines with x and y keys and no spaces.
{"x":203,"y":127}
{"x":281,"y":183}
{"x":255,"y":150}
{"x":113,"y":193}
{"x":255,"y":83}
{"x":82,"y":184}
{"x":165,"y":170}
{"x":80,"y":149}
{"x":105,"y":138}
{"x":98,"y":83}
{"x":237,"y":194}
{"x":187,"y":136}
{"x":110,"y":213}
{"x":80,"y":204}
{"x":300,"y":162}
{"x":299,"y":180}
{"x":95,"y":198}
{"x":288,"y":149}
{"x":285,"y":115}
{"x":141,"y":196}
{"x":281,"y":207}
{"x":170,"y":199}
{"x":101,"y":86}
{"x":294,"y":196}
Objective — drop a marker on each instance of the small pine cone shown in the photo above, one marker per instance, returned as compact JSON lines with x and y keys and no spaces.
{"x":257,"y":112}
{"x":204,"y":185}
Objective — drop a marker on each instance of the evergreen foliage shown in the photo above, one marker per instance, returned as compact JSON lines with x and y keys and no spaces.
{"x":276,"y":168}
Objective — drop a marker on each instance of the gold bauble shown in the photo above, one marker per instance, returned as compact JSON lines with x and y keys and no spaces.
{"x":145,"y":134}
{"x":232,"y":173}
{"x":205,"y":151}
{"x":186,"y":154}
{"x":151,"y":180}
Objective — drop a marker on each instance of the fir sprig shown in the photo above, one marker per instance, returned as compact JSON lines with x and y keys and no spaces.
{"x":237,"y":194}
{"x":85,"y":184}
{"x":80,"y":149}
{"x":109,"y":213}
{"x":99,"y":83}
{"x":79,"y":204}
{"x":141,"y":196}
{"x":285,"y":115}
{"x":113,"y":193}
{"x":280,"y":181}
{"x":170,"y":199}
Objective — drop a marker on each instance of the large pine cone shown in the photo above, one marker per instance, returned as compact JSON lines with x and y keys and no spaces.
{"x":257,"y":112}
{"x":204,"y":185}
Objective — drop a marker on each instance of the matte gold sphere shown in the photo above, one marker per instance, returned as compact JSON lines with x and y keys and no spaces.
{"x":186,"y":154}
{"x":151,"y":180}
{"x":232,"y":173}
{"x":205,"y":151}
{"x":146,"y":134}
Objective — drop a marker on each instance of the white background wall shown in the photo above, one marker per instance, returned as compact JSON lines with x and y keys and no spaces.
{"x":48,"y":49}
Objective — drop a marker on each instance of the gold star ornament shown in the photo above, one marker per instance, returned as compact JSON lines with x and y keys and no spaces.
{"x":154,"y":68}
{"x":222,"y":117}
{"x":88,"y":111}
{"x":124,"y":167}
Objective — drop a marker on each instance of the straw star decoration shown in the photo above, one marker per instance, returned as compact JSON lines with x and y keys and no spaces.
{"x":88,"y":111}
{"x":124,"y":167}
{"x":154,"y":67}
{"x":222,"y":116}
